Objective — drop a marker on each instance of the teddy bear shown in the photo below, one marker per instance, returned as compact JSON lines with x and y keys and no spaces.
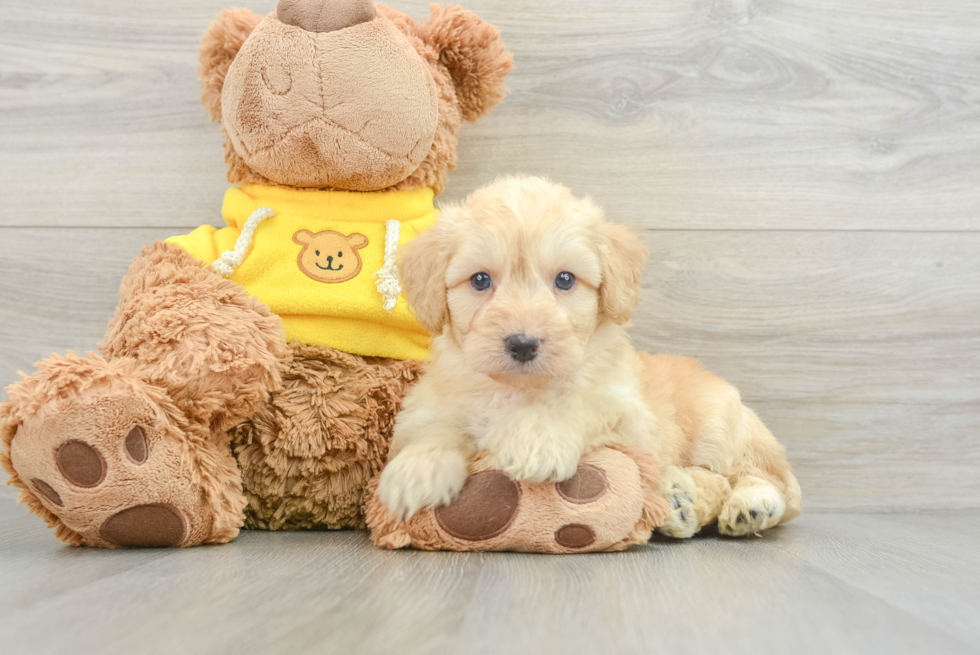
{"x":250,"y":374}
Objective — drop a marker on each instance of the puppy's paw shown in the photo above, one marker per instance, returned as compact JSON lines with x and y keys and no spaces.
{"x":553,"y":460}
{"x":751,"y":508}
{"x":423,"y":478}
{"x":678,"y":488}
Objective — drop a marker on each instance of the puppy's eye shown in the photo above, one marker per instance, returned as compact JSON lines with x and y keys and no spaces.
{"x":340,"y":254}
{"x":317,"y":253}
{"x":565,"y":281}
{"x":480,"y":281}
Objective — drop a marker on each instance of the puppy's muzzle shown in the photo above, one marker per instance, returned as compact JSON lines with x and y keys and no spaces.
{"x":521,"y":347}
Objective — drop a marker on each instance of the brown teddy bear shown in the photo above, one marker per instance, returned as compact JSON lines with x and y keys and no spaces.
{"x":251,"y":374}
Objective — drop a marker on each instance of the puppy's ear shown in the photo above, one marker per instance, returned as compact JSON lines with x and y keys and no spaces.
{"x":219,"y":45}
{"x":472,"y":52}
{"x":623,"y":255}
{"x":423,"y":274}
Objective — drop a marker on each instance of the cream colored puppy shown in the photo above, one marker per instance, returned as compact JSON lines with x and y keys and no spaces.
{"x":527,"y":291}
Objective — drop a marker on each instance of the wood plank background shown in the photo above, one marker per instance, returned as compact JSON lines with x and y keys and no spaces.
{"x":807,"y":173}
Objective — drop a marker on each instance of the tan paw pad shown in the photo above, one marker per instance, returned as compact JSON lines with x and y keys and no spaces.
{"x":112,"y":470}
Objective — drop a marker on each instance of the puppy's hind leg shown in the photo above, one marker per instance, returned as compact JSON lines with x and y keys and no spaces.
{"x":754,"y":505}
{"x":765,"y":491}
{"x":680,"y":491}
{"x":713,"y":490}
{"x":695,"y":497}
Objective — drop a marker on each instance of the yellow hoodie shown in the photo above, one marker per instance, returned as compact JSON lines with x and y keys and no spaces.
{"x":324,"y":261}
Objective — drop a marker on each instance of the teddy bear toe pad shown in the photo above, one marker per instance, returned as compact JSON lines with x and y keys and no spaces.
{"x":485,"y":507}
{"x":80,"y":464}
{"x":108,"y":466}
{"x":158,"y":525}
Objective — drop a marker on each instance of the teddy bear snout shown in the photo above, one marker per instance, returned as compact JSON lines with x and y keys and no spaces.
{"x":325,"y":15}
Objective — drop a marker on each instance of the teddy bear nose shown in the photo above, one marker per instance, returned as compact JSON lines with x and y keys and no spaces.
{"x":325,"y":15}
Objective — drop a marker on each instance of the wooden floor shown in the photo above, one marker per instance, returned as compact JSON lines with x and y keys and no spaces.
{"x":825,"y":584}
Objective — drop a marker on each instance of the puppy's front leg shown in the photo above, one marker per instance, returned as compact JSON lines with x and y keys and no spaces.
{"x":426,"y":463}
{"x":536,"y":447}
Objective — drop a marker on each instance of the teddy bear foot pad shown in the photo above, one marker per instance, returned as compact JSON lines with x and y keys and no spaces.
{"x":112,"y":471}
{"x":609,"y":504}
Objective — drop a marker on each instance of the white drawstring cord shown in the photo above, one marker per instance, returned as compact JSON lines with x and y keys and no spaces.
{"x":232,"y":259}
{"x":387,"y":276}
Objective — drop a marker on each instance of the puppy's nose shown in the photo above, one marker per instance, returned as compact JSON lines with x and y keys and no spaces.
{"x":521,"y":347}
{"x":325,"y":15}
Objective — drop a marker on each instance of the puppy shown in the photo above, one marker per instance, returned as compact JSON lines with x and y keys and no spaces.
{"x":527,"y":291}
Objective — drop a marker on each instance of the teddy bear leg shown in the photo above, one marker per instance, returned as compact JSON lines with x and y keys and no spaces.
{"x":214,"y":348}
{"x":102,"y":456}
{"x":133,"y":448}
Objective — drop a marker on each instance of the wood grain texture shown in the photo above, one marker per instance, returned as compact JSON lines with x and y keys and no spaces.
{"x":828,"y":583}
{"x":691,"y":114}
{"x":861,"y":351}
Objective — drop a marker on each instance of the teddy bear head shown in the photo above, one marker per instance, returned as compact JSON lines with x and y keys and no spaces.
{"x":346,"y":94}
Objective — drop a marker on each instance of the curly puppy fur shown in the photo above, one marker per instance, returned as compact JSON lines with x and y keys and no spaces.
{"x":582,"y":386}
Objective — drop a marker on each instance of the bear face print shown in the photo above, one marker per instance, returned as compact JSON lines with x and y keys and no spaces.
{"x":330,"y":256}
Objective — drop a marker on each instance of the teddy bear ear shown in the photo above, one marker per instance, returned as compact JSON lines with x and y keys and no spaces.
{"x":474,"y":55}
{"x":219,"y":45}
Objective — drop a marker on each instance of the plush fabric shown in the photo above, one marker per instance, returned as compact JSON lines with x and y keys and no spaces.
{"x":320,"y":17}
{"x":324,"y":305}
{"x":307,"y":454}
{"x":351,"y":109}
{"x":198,"y":415}
{"x":611,"y":503}
{"x":452,"y":27}
{"x":182,"y":371}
